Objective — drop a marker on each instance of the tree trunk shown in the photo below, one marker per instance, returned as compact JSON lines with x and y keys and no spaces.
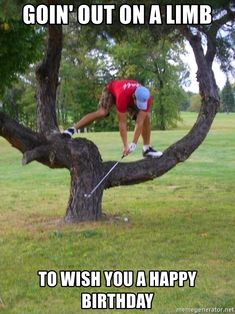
{"x":86,"y":171}
{"x":79,"y":207}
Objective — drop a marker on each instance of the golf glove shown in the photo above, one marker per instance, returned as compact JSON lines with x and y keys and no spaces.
{"x":132,"y":147}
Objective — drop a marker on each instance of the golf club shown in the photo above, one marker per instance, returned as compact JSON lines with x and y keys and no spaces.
{"x":96,"y":187}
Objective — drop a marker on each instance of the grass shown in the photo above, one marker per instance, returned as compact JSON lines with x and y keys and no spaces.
{"x":182,"y":221}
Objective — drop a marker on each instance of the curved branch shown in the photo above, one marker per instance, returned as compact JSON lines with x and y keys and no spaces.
{"x":148,"y":169}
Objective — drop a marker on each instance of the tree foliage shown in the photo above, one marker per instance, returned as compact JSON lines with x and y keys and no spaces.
{"x":21,"y":46}
{"x":19,"y":100}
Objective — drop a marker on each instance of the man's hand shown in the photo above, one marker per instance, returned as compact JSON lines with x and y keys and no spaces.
{"x":125,"y":150}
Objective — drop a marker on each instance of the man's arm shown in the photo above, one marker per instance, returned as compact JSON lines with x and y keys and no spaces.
{"x":122,"y":117}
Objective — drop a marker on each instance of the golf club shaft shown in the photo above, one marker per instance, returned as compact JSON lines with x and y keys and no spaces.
{"x":114,"y":166}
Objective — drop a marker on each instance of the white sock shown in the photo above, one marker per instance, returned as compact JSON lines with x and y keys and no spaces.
{"x":145,"y":147}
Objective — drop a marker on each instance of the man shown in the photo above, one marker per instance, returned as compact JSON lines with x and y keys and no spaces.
{"x":129,"y":97}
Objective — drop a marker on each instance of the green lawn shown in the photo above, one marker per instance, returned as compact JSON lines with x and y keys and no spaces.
{"x":181,"y":221}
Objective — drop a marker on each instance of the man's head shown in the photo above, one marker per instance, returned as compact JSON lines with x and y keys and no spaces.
{"x":142,"y":95}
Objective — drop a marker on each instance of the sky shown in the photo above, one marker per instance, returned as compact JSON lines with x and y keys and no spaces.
{"x":190,"y":60}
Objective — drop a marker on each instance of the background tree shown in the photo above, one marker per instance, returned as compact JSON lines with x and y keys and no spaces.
{"x":227,"y":98}
{"x":80,"y":156}
{"x":185,"y":100}
{"x":195,"y":103}
{"x":19,"y":100}
{"x":20,"y":46}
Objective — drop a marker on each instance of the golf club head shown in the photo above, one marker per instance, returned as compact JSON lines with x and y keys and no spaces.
{"x":87,"y":195}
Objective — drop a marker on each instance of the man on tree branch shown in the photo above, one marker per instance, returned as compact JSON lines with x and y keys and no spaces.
{"x":129,"y":97}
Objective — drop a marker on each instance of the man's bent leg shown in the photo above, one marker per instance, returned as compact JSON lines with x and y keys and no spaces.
{"x":86,"y":120}
{"x":106,"y":102}
{"x":90,"y":117}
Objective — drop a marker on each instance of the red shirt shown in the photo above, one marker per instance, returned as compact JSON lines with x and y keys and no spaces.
{"x":123,"y":91}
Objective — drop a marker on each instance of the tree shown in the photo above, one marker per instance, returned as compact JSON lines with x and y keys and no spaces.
{"x":227,"y":98}
{"x":80,"y":156}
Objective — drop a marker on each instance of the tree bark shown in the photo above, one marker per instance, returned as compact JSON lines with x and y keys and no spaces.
{"x":81,"y":208}
{"x":86,"y":170}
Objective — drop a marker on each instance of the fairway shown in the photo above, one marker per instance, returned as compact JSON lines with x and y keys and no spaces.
{"x":183,"y":220}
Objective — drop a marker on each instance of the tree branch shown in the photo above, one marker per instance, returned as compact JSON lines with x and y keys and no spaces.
{"x":47,"y":79}
{"x":17,"y":135}
{"x":148,"y":169}
{"x":53,"y":151}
